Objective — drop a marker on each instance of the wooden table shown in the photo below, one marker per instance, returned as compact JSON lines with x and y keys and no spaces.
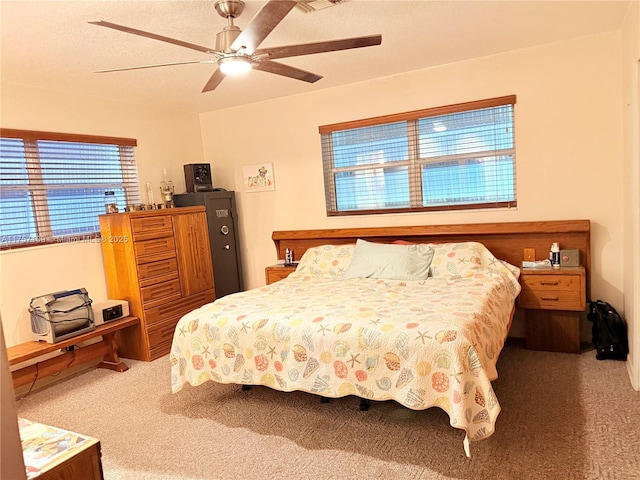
{"x":52,"y":453}
{"x":72,"y":354}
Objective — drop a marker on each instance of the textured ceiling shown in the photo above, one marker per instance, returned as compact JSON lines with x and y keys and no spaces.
{"x":49,"y":44}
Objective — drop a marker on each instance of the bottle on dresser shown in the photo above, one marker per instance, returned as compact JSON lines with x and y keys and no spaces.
{"x":554,"y":255}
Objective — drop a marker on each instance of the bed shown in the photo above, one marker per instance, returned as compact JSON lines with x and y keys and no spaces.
{"x":417,"y":315}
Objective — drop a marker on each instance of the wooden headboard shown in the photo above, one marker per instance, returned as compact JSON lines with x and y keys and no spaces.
{"x":505,"y":240}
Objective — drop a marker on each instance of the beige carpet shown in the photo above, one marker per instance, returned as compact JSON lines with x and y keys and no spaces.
{"x":563,"y":417}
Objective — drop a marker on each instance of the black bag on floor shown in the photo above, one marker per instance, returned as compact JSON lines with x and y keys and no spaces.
{"x":609,"y":331}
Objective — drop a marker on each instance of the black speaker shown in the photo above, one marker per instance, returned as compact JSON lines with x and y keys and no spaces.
{"x":197,"y":177}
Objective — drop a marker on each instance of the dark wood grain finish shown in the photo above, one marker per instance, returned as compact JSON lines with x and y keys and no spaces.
{"x":553,"y":331}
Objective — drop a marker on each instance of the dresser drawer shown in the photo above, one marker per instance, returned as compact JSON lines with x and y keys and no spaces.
{"x":162,"y":310}
{"x":552,"y":292}
{"x":162,"y":332}
{"x":156,"y":249}
{"x":160,"y":349}
{"x":152,"y":227}
{"x":168,"y":291}
{"x":155,"y":272}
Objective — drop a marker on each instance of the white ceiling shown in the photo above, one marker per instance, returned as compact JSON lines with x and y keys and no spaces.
{"x":49,"y":44}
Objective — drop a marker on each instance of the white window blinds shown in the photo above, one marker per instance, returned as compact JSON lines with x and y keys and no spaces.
{"x":455,"y":157}
{"x":52,"y":186}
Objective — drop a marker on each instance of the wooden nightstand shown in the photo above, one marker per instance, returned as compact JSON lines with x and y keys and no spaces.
{"x":554,"y":300}
{"x":275,"y":273}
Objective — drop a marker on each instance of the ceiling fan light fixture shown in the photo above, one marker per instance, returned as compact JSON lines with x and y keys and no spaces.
{"x":234,"y":65}
{"x":237,"y":51}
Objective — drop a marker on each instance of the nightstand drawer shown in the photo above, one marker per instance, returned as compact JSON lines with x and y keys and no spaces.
{"x":550,"y":299}
{"x":564,"y":283}
{"x":277,"y":273}
{"x":552,"y":292}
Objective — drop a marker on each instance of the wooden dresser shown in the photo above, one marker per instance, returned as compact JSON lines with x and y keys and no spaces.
{"x":160,"y":262}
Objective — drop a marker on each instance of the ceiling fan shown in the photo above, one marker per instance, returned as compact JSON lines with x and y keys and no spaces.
{"x":237,"y":50}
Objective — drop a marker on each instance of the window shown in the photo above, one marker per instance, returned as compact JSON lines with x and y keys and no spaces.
{"x":52,"y":186}
{"x":455,"y":157}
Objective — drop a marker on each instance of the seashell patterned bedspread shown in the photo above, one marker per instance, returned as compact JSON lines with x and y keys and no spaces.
{"x":424,"y":343}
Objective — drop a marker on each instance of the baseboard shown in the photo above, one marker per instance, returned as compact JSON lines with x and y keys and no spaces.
{"x":633,"y":376}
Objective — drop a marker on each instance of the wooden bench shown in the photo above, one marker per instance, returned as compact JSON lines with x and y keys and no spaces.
{"x":72,"y":354}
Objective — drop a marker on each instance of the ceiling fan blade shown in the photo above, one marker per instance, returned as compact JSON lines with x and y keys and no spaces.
{"x":214,"y":81}
{"x":154,"y":36}
{"x":286,"y":71}
{"x":320,"y":47}
{"x":149,"y":66}
{"x":262,"y":24}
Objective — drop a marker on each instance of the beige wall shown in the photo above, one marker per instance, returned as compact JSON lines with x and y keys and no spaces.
{"x":631,"y":185}
{"x":569,"y":118}
{"x":568,"y":140}
{"x":166,"y":139}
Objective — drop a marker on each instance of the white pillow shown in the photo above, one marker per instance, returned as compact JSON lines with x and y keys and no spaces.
{"x":389,"y":261}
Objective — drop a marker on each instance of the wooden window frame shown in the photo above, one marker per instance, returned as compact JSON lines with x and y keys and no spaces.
{"x":414,"y":163}
{"x":38,"y":190}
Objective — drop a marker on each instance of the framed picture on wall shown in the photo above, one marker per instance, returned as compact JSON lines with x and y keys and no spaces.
{"x":258,"y":178}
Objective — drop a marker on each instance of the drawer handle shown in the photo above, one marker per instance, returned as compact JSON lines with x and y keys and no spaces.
{"x":158,"y":270}
{"x":552,"y":299}
{"x":162,"y":290}
{"x":549,"y":283}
